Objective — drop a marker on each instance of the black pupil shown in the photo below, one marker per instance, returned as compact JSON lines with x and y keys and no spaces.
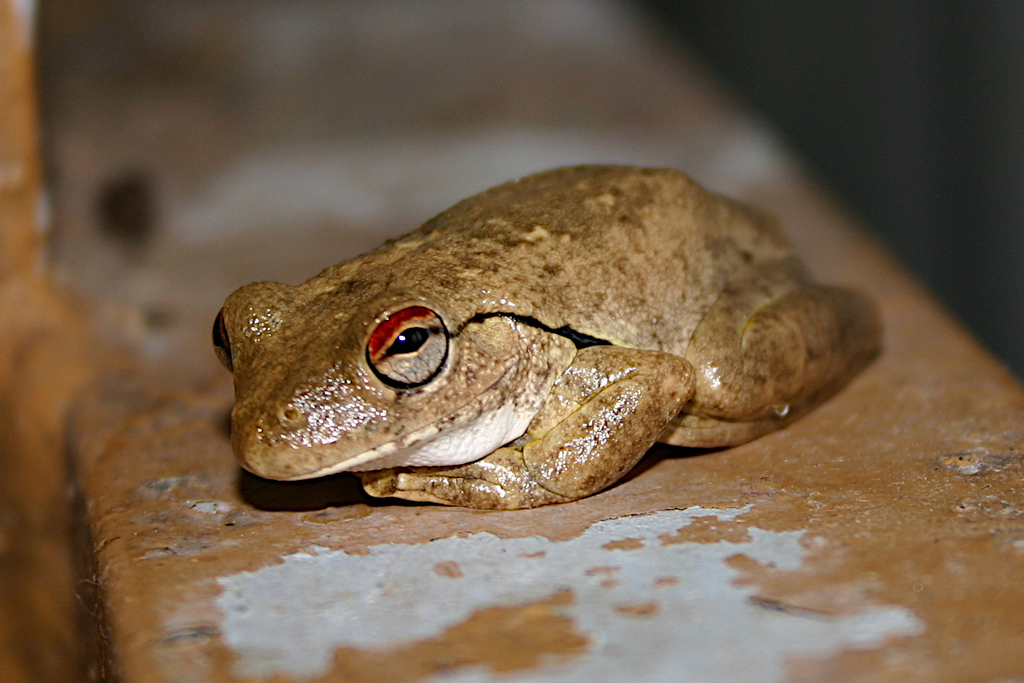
{"x":220,"y":336}
{"x":221,"y":342}
{"x":409,"y":341}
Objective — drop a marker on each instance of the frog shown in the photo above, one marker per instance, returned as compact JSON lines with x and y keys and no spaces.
{"x":530,"y":344}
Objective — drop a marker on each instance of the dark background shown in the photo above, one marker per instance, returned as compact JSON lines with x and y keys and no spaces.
{"x":912,"y":111}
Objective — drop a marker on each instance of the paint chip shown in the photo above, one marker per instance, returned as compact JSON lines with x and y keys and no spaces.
{"x":624,"y":544}
{"x":601,"y":571}
{"x":639,"y":610}
{"x":450,"y":570}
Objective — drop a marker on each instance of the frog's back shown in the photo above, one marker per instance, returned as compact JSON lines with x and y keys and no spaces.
{"x":629,"y":255}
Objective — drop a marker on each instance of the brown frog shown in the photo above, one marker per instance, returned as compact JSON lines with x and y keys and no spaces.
{"x":529,"y":344}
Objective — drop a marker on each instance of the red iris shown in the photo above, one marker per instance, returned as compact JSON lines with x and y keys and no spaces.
{"x":384,"y":336}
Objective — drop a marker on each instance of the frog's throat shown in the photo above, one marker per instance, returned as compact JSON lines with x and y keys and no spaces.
{"x":432,"y":447}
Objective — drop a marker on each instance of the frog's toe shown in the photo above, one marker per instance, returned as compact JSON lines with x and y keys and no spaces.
{"x":433,"y":487}
{"x":460,"y":491}
{"x":380,"y":483}
{"x":461,"y":486}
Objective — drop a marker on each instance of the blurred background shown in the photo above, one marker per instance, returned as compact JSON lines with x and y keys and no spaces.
{"x":912,"y":111}
{"x":177,"y":130}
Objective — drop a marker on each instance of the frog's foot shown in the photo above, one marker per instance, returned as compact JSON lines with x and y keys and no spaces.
{"x":499,"y":481}
{"x":770,"y":349}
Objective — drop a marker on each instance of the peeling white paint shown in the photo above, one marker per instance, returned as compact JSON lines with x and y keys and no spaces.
{"x":211,"y":507}
{"x":289,"y":618}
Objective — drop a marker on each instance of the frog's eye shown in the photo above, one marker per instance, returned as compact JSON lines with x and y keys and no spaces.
{"x":409,"y":348}
{"x":221,"y":342}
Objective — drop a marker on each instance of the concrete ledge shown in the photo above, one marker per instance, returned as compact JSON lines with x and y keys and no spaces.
{"x":879,"y":537}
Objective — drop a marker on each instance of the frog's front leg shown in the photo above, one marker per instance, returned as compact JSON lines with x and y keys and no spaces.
{"x":600,"y":418}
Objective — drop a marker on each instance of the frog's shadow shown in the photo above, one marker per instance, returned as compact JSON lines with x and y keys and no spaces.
{"x":339,"y":490}
{"x":345,"y":489}
{"x":656,"y":454}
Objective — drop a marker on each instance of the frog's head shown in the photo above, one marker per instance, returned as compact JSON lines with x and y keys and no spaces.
{"x":331,"y":379}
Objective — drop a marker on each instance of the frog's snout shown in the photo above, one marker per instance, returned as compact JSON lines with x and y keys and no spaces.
{"x":263,"y":448}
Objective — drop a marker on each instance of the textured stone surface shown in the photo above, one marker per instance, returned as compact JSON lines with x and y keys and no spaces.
{"x":883,"y":533}
{"x":902,"y":493}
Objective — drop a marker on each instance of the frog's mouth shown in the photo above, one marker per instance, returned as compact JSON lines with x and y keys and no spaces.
{"x":431,"y":447}
{"x":481,"y":430}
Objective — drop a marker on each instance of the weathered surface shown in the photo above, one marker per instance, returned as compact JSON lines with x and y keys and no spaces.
{"x":882,"y":535}
{"x":902,"y":494}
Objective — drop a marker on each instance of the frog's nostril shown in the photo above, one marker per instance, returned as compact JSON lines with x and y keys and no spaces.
{"x":291,"y":417}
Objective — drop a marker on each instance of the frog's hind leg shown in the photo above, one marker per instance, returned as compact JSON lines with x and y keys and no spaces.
{"x":771,"y":348}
